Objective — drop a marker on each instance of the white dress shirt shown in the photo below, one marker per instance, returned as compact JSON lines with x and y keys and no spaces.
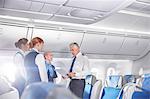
{"x":19,"y":63}
{"x":81,"y":66}
{"x":40,"y":62}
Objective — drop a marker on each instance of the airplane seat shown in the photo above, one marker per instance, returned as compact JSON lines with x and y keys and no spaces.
{"x":96,"y":90}
{"x":129,"y":79}
{"x":144,"y":92}
{"x":37,"y":90}
{"x":89,"y":82}
{"x":112,"y":87}
{"x":7,"y":91}
{"x":135,"y":91}
{"x":114,"y":81}
{"x":61,"y":93}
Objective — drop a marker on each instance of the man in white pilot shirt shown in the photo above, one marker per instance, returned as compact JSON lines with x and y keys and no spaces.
{"x":78,"y":70}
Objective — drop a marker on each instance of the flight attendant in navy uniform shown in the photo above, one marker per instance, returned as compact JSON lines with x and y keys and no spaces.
{"x":20,"y":76}
{"x":35,"y":62}
{"x":78,"y":70}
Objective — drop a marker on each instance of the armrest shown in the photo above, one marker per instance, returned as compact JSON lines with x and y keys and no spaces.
{"x":12,"y":94}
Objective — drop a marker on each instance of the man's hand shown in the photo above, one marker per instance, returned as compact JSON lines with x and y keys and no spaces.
{"x":71,"y":74}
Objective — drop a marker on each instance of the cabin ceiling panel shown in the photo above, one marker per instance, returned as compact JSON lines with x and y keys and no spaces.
{"x":69,"y":19}
{"x":134,"y":46}
{"x":24,"y":14}
{"x":83,"y":13}
{"x":48,"y":8}
{"x":57,"y":41}
{"x":101,"y":44}
{"x":9,"y":35}
{"x":100,"y":5}
{"x":36,"y":6}
{"x":142,"y":6}
{"x":71,"y":10}
{"x":17,"y":4}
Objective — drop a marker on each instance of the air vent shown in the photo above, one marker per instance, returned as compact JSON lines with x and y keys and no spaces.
{"x":72,"y":30}
{"x":96,"y":32}
{"x":116,"y":34}
{"x":132,"y":36}
{"x":46,"y":27}
{"x":145,"y":36}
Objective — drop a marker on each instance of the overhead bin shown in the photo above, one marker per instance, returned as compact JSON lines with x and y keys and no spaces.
{"x":9,"y":35}
{"x":101,"y":44}
{"x":57,"y":41}
{"x":133,"y":46}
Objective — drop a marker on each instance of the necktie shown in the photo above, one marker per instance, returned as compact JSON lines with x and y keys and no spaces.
{"x":71,"y":68}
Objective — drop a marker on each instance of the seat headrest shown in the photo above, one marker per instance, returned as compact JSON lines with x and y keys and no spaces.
{"x":113,"y":80}
{"x":129,"y":78}
{"x":37,"y":90}
{"x":90,"y":79}
{"x":61,"y":93}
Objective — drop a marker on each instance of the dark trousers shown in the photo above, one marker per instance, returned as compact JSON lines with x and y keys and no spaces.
{"x":77,"y":87}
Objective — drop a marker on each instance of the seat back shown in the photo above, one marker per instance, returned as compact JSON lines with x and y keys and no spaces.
{"x":146,"y":82}
{"x":89,"y":82}
{"x":114,"y":81}
{"x":96,"y":90}
{"x":110,"y":93}
{"x":139,"y":91}
{"x":61,"y":93}
{"x":37,"y":90}
{"x":7,"y":91}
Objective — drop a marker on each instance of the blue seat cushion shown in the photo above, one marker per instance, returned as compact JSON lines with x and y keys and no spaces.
{"x":141,"y":95}
{"x":110,"y":93}
{"x":87,"y":91}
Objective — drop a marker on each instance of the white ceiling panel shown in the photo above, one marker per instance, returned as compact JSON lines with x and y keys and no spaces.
{"x":10,"y":35}
{"x":134,"y":46}
{"x":86,"y":13}
{"x":17,"y":4}
{"x":57,"y":41}
{"x":59,"y":2}
{"x":71,"y":19}
{"x":102,"y":44}
{"x":102,"y":5}
{"x":36,"y":6}
{"x":25,"y":14}
{"x":65,"y":10}
{"x":48,"y":8}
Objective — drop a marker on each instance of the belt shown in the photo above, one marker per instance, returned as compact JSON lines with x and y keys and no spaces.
{"x":77,"y":79}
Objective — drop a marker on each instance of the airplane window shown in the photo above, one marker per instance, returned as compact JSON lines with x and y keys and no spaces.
{"x":111,"y":71}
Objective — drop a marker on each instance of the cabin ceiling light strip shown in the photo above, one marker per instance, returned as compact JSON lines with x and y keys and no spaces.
{"x":91,"y":27}
{"x":134,"y":13}
{"x":14,"y":18}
